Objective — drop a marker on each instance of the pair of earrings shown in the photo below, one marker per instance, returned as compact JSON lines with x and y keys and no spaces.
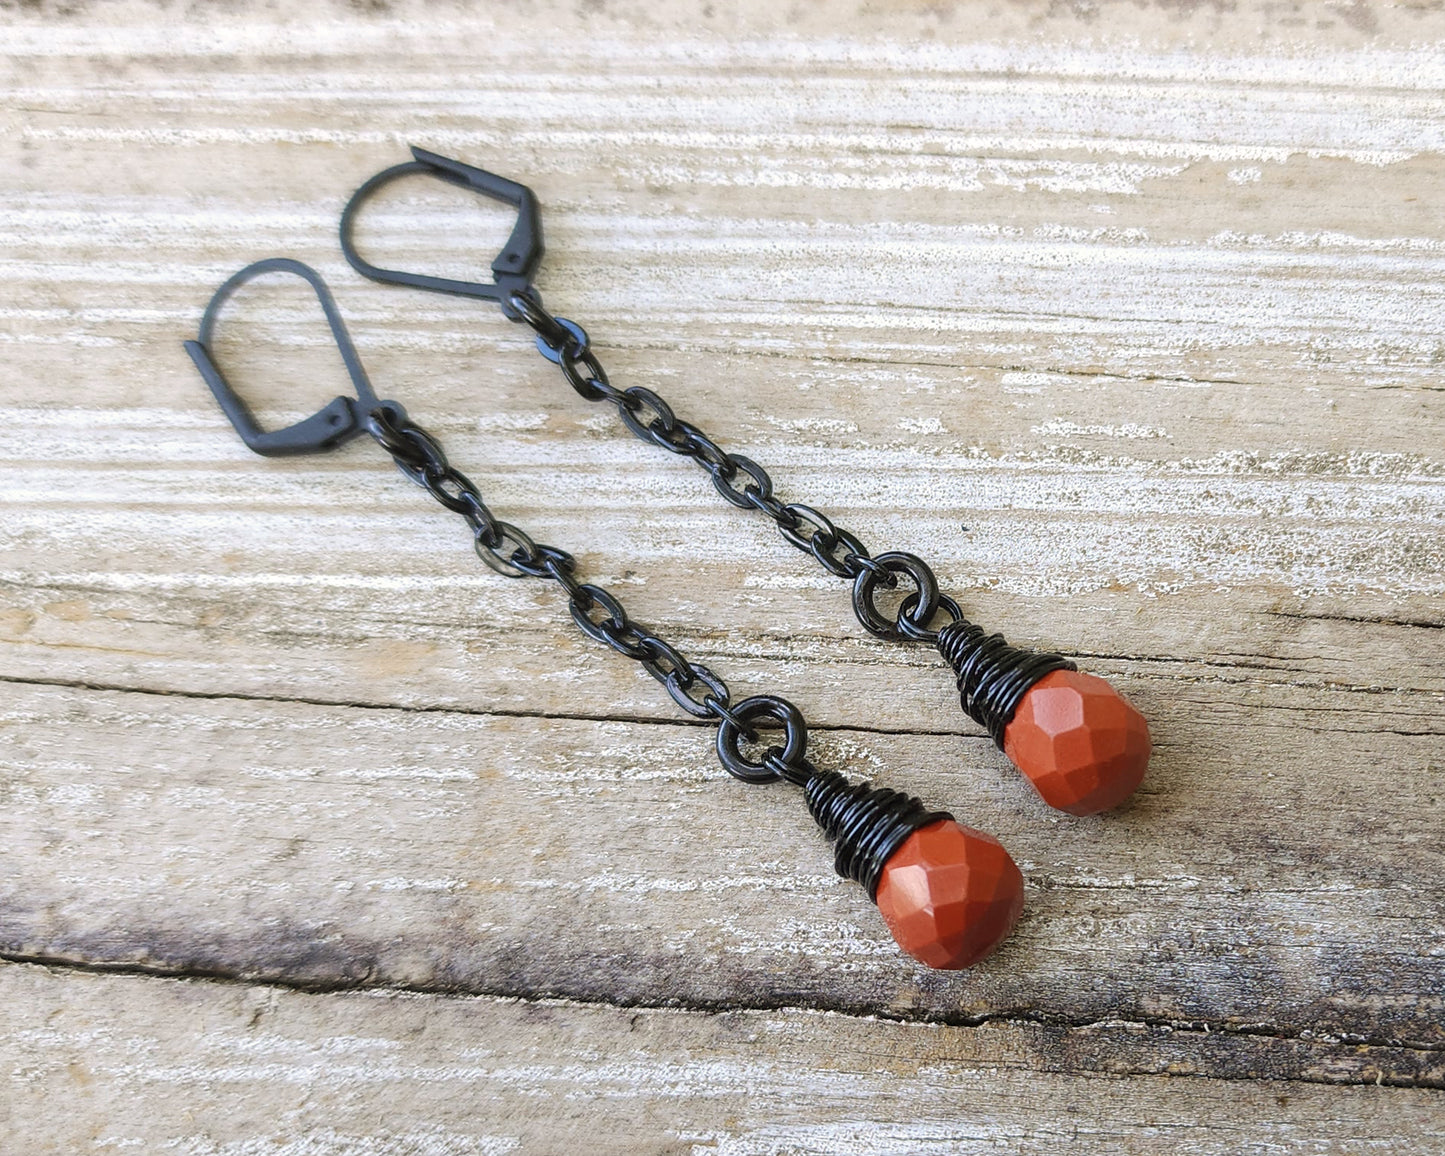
{"x":948,"y":893}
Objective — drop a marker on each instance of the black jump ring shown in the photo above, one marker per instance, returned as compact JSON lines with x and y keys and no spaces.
{"x":865,"y":585}
{"x":797,"y":774}
{"x":553,"y":333}
{"x":751,"y":711}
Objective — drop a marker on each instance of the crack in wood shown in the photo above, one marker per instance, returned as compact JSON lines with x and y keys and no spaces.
{"x":1365,"y":620}
{"x":1343,"y":1046}
{"x":490,"y":712}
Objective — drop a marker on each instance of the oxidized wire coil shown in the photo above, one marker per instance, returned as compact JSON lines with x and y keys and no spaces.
{"x":867,"y":824}
{"x":993,"y":676}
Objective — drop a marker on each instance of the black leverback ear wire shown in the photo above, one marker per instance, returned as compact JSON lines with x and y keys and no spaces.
{"x":340,"y":420}
{"x":1081,"y":743}
{"x":515,"y":265}
{"x":949,"y":894}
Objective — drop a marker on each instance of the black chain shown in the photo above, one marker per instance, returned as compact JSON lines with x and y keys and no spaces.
{"x":866,"y":824}
{"x":598,"y":614}
{"x":745,"y":484}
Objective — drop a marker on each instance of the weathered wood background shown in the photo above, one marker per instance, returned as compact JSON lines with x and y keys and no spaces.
{"x":320,"y":838}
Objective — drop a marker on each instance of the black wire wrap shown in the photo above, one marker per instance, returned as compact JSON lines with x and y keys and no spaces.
{"x":993,"y":676}
{"x":867,"y":824}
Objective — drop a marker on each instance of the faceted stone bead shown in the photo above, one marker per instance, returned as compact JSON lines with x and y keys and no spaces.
{"x":1080,"y":742}
{"x":950,"y":894}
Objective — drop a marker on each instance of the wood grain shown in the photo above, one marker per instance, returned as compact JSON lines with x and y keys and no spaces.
{"x":171,"y":1065}
{"x":616,"y":860}
{"x":1128,"y":319}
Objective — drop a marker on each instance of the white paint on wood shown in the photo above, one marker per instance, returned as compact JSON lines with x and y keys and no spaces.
{"x":1148,"y":300}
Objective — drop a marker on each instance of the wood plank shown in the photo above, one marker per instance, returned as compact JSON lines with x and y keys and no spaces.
{"x":215,"y":1068}
{"x":1127,"y":323}
{"x":895,"y":173}
{"x":616,"y":861}
{"x":348,"y":585}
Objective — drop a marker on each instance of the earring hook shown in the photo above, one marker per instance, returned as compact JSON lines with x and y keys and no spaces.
{"x":515,"y":265}
{"x":338,"y":421}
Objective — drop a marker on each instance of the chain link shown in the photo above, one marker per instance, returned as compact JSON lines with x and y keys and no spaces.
{"x":510,"y":551}
{"x":746,"y":485}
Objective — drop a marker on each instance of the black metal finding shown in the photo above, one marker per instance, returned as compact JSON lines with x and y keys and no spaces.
{"x":335,"y":423}
{"x":993,"y":678}
{"x":514,"y":266}
{"x":866,"y":824}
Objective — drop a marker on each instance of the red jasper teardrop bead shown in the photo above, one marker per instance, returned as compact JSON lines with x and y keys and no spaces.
{"x":1079,"y":741}
{"x":950,"y":894}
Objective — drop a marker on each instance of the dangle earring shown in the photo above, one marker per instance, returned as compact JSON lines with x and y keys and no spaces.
{"x":1078,"y":740}
{"x":949,"y":894}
